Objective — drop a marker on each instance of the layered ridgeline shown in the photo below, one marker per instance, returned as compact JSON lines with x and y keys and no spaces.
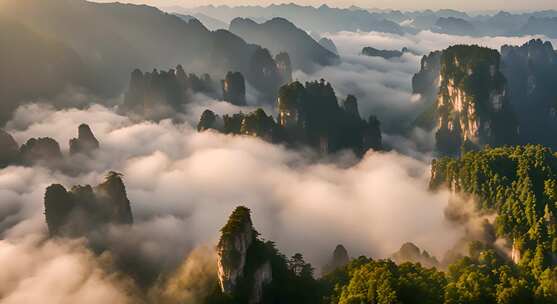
{"x":520,"y":185}
{"x":251,"y":270}
{"x":308,"y":115}
{"x":94,"y":47}
{"x":325,"y":19}
{"x":320,"y":19}
{"x":531,"y":72}
{"x":472,"y":107}
{"x":84,"y":209}
{"x":280,"y":35}
{"x":45,"y":150}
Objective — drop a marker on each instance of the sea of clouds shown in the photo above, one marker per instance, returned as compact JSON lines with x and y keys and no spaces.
{"x":183,"y":185}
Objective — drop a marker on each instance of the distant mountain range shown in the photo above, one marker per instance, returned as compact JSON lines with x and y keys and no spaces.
{"x":322,"y":19}
{"x":328,"y":19}
{"x":280,"y":35}
{"x":95,"y":46}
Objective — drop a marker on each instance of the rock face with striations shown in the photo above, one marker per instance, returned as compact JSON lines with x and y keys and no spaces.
{"x":44,"y":149}
{"x":531,"y":71}
{"x":241,"y":259}
{"x":234,"y":88}
{"x":9,"y":149}
{"x":83,"y":209}
{"x":472,"y":106}
{"x":85,"y":143}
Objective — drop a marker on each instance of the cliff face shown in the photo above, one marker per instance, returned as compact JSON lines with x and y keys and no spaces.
{"x":243,"y":266}
{"x":234,"y":88}
{"x":531,"y":71}
{"x":284,"y":66}
{"x":83,"y":209}
{"x":426,"y":83}
{"x":159,"y":94}
{"x":472,"y":105}
{"x":309,"y":116}
{"x":237,"y":236}
{"x":466,"y":99}
{"x":85,"y":143}
{"x":264,"y":74}
{"x":9,"y":149}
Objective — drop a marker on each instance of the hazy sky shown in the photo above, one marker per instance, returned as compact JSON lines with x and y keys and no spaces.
{"x":470,"y":5}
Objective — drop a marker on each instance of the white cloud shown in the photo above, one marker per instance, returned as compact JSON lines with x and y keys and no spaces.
{"x":184,"y":184}
{"x":56,"y":272}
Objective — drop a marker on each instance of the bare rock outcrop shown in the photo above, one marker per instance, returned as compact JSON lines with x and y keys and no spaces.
{"x":85,"y":143}
{"x":243,"y":265}
{"x":83,"y":209}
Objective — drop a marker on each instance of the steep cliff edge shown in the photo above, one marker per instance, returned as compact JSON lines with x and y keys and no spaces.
{"x":471,"y":107}
{"x":309,"y":115}
{"x":251,"y":270}
{"x":425,"y":83}
{"x":234,"y":88}
{"x":242,"y":268}
{"x":531,"y":71}
{"x":83,"y":209}
{"x":85,"y":143}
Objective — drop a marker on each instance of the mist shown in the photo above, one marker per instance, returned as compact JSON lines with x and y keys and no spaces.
{"x":52,"y":271}
{"x":384,"y":87}
{"x":184,"y":184}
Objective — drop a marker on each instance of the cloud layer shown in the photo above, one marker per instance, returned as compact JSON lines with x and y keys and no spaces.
{"x":184,"y":184}
{"x":61,"y":272}
{"x":384,"y":87}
